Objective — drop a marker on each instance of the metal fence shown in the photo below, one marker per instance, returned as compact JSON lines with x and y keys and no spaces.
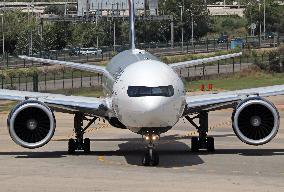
{"x":69,"y":79}
{"x":204,"y":45}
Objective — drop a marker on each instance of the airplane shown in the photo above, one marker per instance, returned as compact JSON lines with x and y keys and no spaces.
{"x":145,"y":96}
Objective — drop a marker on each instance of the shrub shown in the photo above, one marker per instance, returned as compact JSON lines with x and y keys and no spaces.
{"x":274,"y":61}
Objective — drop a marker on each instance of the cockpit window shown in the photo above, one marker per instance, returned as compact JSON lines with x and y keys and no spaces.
{"x":142,"y":91}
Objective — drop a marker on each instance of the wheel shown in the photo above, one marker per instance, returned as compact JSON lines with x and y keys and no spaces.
{"x":71,"y":146}
{"x":146,"y":159}
{"x":210,"y":144}
{"x":87,"y":147}
{"x":194,"y":144}
{"x":155,"y":158}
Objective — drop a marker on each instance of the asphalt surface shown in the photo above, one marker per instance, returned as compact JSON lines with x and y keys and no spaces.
{"x":115,"y":161}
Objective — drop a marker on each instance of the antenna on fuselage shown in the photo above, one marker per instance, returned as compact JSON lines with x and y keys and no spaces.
{"x":131,"y":24}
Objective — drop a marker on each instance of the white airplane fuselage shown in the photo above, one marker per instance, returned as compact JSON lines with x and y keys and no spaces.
{"x":147,"y":95}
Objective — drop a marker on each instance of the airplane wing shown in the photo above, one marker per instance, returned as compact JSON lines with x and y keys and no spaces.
{"x":202,"y":61}
{"x":62,"y":103}
{"x":211,"y":102}
{"x":80,"y":66}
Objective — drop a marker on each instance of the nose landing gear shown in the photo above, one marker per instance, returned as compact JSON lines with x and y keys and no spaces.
{"x":151,"y":157}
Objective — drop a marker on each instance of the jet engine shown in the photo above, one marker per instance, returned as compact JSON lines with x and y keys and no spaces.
{"x":255,"y":121}
{"x":31,"y":124}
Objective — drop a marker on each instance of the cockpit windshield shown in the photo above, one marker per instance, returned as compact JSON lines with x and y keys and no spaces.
{"x":142,"y":91}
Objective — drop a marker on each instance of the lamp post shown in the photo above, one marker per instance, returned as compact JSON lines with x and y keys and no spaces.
{"x":3,"y":35}
{"x":114,"y":38}
{"x":264,"y":17}
{"x":3,"y":32}
{"x":182,"y":31}
{"x":65,"y":8}
{"x":31,"y":34}
{"x":259,"y":23}
{"x":192,"y":29}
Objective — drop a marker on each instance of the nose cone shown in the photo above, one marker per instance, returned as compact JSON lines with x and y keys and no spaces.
{"x":148,"y":111}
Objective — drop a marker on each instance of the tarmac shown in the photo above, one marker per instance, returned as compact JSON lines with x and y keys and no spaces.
{"x":115,"y":161}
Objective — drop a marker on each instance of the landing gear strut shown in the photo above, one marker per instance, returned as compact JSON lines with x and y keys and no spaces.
{"x":202,"y":141}
{"x":151,"y":157}
{"x":79,"y":143}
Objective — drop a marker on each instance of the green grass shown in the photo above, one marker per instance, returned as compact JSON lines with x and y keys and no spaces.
{"x":242,"y":80}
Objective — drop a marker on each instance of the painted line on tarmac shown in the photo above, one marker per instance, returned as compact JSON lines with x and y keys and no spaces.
{"x":195,"y":133}
{"x":280,"y":106}
{"x":101,"y":158}
{"x":72,"y":135}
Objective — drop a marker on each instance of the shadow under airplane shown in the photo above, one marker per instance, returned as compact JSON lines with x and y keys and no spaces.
{"x":173,"y":153}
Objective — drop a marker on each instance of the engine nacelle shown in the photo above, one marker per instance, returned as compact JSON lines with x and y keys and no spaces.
{"x":31,"y":124}
{"x":255,"y":121}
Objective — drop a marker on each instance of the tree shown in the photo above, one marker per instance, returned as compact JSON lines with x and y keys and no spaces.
{"x":274,"y":15}
{"x":192,"y":10}
{"x":57,"y":35}
{"x":55,"y":9}
{"x":232,"y":25}
{"x":14,"y":22}
{"x":28,"y":33}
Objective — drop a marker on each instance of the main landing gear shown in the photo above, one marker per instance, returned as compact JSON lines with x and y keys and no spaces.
{"x":151,"y":157}
{"x":202,"y":141}
{"x":79,"y":143}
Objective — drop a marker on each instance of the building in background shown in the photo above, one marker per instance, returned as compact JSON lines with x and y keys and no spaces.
{"x":153,"y":7}
{"x":118,"y":7}
{"x":99,"y":6}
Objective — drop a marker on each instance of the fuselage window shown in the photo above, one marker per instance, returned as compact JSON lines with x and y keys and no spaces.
{"x":142,"y":91}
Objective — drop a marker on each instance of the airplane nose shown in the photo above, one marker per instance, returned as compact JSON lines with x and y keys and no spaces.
{"x":151,"y":106}
{"x":150,"y":112}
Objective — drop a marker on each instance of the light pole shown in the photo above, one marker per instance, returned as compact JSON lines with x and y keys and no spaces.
{"x":97,"y":29}
{"x":114,"y":27}
{"x":264,"y":17}
{"x":3,"y":35}
{"x":31,"y":35}
{"x":259,"y":22}
{"x":114,"y":38}
{"x":65,"y":8}
{"x":3,"y":31}
{"x":192,"y":30}
{"x":181,"y":19}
